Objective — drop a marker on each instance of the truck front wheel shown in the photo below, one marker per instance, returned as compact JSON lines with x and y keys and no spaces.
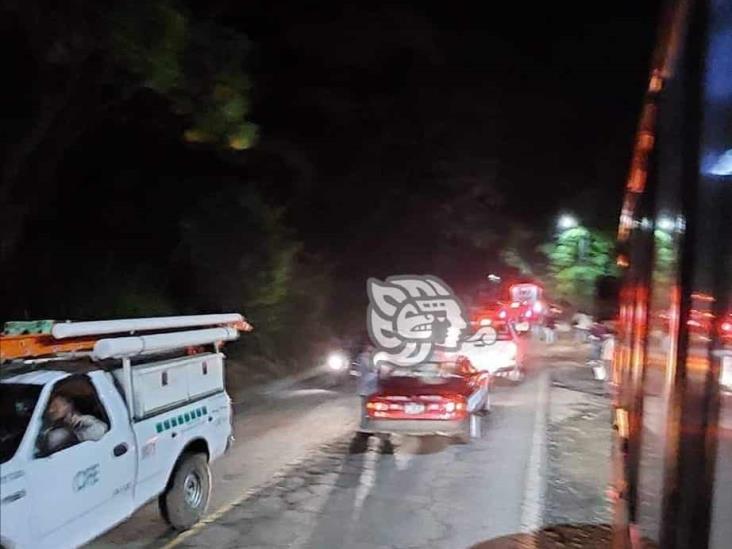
{"x":185,"y":500}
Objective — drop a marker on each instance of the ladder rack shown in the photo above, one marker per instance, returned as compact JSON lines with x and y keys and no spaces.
{"x":36,"y":345}
{"x":72,"y":337}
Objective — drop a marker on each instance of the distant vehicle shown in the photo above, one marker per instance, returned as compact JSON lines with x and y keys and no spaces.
{"x":338,"y":366}
{"x":527,"y":306}
{"x":486,"y":314}
{"x":502,"y":357}
{"x":434,"y":398}
{"x":160,"y":422}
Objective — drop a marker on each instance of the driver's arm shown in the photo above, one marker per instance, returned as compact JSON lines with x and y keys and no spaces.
{"x":89,"y":428}
{"x":56,"y":438}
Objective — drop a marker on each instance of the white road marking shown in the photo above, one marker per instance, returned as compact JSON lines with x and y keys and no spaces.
{"x":366,"y":480}
{"x":533,"y":504}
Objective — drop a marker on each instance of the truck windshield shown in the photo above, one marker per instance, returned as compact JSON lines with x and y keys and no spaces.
{"x":17,"y":402}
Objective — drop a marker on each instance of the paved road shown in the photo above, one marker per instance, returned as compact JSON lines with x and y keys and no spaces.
{"x":271,"y":433}
{"x":296,"y":480}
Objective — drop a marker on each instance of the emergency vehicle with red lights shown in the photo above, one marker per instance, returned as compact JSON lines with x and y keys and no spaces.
{"x":527,"y":307}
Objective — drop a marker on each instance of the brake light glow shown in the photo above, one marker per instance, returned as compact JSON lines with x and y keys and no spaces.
{"x":727,"y":326}
{"x":502,"y":314}
{"x":452,"y":406}
{"x":433,"y":406}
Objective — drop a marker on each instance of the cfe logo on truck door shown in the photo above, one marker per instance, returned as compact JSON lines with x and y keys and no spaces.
{"x":85,"y":478}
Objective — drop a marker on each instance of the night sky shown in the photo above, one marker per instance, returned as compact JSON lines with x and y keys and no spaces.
{"x":541,"y":99}
{"x":379,"y":123}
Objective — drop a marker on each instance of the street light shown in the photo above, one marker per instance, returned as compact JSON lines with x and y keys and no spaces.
{"x":665,"y":224}
{"x":567,"y":221}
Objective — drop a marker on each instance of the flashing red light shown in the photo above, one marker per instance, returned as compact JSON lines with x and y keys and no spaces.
{"x":528,"y":314}
{"x":727,"y":326}
{"x":502,"y":314}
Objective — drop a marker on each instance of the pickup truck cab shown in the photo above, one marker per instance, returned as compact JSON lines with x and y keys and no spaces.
{"x":157,"y":425}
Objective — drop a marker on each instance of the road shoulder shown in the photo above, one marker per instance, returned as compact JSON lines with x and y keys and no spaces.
{"x":579,"y":448}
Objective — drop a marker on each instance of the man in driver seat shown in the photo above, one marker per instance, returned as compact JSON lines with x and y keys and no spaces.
{"x":63,"y":414}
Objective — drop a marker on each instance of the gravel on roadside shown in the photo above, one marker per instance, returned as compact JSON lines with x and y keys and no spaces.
{"x":579,"y":448}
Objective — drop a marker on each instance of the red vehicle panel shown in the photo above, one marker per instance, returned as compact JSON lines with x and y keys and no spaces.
{"x":441,"y":401}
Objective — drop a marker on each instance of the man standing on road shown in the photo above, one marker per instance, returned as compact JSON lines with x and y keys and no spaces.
{"x":368,"y":384}
{"x":368,"y":380}
{"x":549,"y":325}
{"x":582,"y":325}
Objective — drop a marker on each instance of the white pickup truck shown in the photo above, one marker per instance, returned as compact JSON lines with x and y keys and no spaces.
{"x":163,"y":420}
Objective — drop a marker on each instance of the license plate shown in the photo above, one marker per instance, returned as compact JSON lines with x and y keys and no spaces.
{"x":413,"y":408}
{"x":522,"y":326}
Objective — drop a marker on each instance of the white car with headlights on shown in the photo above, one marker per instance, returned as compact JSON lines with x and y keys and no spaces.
{"x":501,"y":353}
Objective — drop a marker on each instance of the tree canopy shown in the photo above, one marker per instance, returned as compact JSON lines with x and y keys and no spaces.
{"x":577,"y":259}
{"x":88,"y":61}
